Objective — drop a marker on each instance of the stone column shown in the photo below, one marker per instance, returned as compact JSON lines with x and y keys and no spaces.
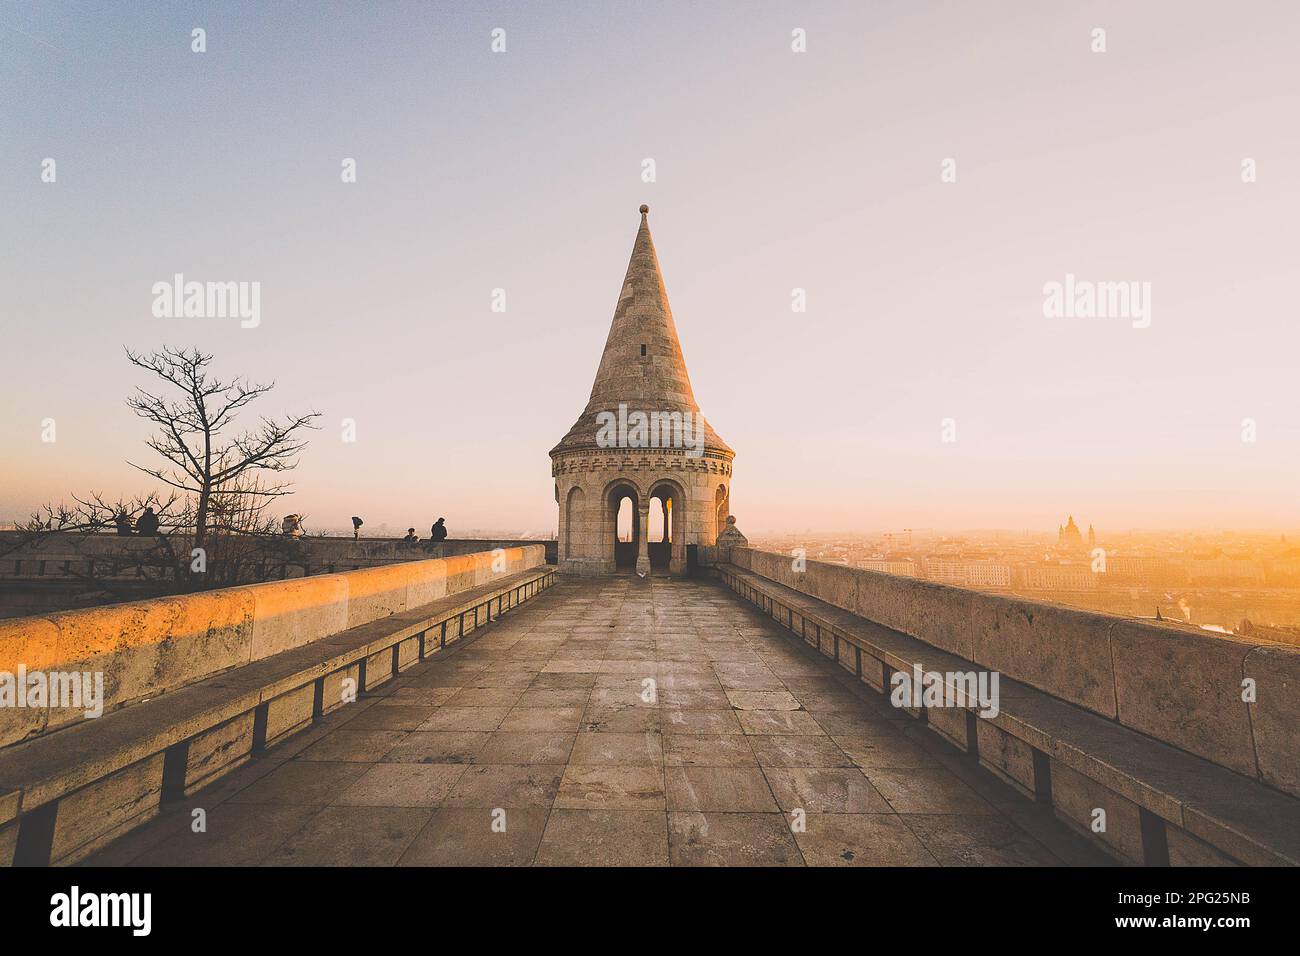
{"x":643,"y":538}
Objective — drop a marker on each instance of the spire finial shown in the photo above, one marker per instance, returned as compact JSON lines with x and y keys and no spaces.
{"x":644,"y":209}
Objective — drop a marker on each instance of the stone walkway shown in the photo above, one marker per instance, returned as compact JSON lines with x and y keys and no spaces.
{"x":547,"y":722}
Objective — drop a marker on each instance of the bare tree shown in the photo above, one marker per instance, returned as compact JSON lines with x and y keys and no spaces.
{"x":203,"y":457}
{"x":212,"y":523}
{"x":243,"y":540}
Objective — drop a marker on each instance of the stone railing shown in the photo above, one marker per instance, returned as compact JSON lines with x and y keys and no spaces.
{"x":62,"y":570}
{"x":1160,"y":745}
{"x":147,"y":648}
{"x":1164,"y":681}
{"x":50,"y":555}
{"x":198,"y":685}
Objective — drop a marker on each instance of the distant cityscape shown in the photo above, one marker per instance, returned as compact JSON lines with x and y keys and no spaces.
{"x":1238,"y":583}
{"x":1234,"y":583}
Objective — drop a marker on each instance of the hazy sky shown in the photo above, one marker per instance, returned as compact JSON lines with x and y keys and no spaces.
{"x":775,"y":170}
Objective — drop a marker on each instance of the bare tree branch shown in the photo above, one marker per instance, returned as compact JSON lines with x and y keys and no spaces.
{"x":203,"y":460}
{"x":217,"y":499}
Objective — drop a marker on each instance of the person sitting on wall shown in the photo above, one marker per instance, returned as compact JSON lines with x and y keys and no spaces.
{"x":411,"y":539}
{"x":438,"y":532}
{"x":147,"y":523}
{"x":123,"y":522}
{"x":291,"y":526}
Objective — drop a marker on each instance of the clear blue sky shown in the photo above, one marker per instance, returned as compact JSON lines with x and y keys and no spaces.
{"x":775,"y":170}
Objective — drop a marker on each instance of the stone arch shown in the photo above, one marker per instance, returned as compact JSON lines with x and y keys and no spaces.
{"x":673,"y":494}
{"x":623,"y":554}
{"x":625,"y":480}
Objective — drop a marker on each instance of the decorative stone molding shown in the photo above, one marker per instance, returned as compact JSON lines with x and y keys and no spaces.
{"x":615,"y":461}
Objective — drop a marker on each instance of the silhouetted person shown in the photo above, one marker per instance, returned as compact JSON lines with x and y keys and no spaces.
{"x":438,"y":532}
{"x":356,"y":527}
{"x":411,"y":539}
{"x":147,"y":523}
{"x":123,"y":522}
{"x":291,"y":526}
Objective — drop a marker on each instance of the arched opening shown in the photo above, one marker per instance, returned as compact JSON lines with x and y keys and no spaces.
{"x":626,"y":518}
{"x":624,"y":524}
{"x":667,"y":549}
{"x":658,"y":542}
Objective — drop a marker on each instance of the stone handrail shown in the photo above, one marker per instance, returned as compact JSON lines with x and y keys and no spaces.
{"x":147,"y":648}
{"x":43,"y":555}
{"x":1231,"y":701}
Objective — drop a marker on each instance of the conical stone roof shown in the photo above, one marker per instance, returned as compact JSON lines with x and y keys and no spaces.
{"x":655,"y":381}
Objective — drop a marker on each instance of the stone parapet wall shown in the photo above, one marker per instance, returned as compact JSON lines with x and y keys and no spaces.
{"x":147,"y":648}
{"x":64,"y":554}
{"x":1177,"y":686}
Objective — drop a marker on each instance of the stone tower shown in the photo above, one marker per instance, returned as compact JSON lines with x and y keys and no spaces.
{"x":642,"y":438}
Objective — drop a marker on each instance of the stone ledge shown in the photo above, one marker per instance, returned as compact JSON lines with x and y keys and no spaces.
{"x":1233,"y":814}
{"x":1178,"y":686}
{"x":148,"y":648}
{"x":63,"y":768}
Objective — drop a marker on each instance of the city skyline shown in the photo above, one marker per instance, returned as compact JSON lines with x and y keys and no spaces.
{"x":925,"y":297}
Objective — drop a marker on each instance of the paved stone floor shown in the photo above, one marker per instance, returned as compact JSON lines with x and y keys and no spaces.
{"x":543,"y":719}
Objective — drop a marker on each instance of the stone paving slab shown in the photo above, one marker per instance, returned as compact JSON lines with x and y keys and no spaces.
{"x":613,"y":722}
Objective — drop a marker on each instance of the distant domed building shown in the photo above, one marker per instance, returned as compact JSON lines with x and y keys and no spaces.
{"x":1069,"y":538}
{"x":640,"y":438}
